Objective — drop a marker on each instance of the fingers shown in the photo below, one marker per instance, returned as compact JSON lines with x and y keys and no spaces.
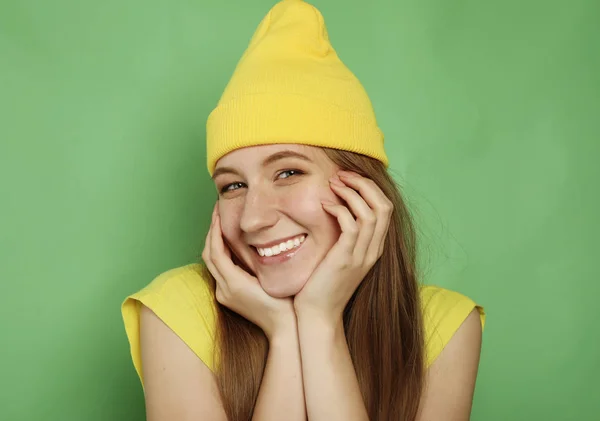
{"x":207,"y":246}
{"x":347,"y":240}
{"x":217,"y":258}
{"x":220,"y":254}
{"x":365,"y":217}
{"x":208,"y":261}
{"x":380,"y":206}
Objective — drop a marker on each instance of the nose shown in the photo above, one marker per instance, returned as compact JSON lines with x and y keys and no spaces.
{"x":259,"y":210}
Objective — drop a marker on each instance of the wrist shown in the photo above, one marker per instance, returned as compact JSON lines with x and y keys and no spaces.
{"x":284,"y":330}
{"x":319,"y":312}
{"x":284,"y":341}
{"x":326,"y":334}
{"x":319,"y":320}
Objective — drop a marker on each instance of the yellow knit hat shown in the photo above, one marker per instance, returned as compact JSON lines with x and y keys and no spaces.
{"x":291,"y":87}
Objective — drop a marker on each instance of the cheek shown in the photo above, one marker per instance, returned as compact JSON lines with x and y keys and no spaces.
{"x":305,"y":206}
{"x":304,"y":201}
{"x":230,"y":221}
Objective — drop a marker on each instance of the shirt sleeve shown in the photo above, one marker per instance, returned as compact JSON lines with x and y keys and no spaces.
{"x":444,"y":311}
{"x":182,"y":299}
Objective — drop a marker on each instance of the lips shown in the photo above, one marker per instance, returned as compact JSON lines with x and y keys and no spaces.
{"x":274,"y":254}
{"x":276,"y":242}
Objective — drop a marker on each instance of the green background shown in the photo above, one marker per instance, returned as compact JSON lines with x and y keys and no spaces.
{"x":491,"y":112}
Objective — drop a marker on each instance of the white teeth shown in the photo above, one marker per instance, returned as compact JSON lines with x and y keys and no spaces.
{"x":287,"y":245}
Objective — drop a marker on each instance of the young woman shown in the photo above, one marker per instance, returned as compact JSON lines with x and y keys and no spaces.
{"x":307,"y":303}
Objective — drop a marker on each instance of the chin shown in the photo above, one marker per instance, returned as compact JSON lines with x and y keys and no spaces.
{"x":278,"y":289}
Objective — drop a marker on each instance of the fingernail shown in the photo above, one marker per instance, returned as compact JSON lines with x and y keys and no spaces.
{"x":336,"y":181}
{"x":327,"y":202}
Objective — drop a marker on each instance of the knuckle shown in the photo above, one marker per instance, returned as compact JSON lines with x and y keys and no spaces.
{"x":218,"y":260}
{"x":356,"y":262}
{"x":370,"y":219}
{"x":353,"y":230}
{"x":388,"y":206}
{"x":365,"y":180}
{"x":219,"y":296}
{"x":346,"y":264}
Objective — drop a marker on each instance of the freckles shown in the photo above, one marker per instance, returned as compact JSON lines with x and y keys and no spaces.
{"x":230,"y":222}
{"x":306,"y":202}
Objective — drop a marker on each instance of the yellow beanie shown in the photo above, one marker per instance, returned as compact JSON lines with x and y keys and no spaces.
{"x":291,"y":87}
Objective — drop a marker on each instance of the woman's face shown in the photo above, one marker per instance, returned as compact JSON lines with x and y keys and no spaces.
{"x":271,"y":213}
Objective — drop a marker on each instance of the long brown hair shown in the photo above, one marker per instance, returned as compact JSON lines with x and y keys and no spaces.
{"x":382,"y":323}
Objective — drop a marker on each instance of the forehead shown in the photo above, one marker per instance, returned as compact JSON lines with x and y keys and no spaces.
{"x":255,"y":155}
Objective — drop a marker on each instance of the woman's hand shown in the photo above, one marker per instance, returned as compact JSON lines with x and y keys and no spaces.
{"x":359,"y":246}
{"x":241,"y":292}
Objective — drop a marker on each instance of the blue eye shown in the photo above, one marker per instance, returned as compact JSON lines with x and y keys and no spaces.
{"x":239,"y":185}
{"x":289,"y":173}
{"x":232,"y":187}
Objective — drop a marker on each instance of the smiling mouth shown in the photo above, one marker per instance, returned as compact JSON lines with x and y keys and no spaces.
{"x":283,"y":248}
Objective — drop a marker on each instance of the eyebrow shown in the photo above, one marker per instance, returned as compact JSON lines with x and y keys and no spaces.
{"x":267,"y":161}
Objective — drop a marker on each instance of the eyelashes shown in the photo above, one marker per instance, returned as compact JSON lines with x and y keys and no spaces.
{"x":292,"y":172}
{"x":229,"y":188}
{"x":281,"y":175}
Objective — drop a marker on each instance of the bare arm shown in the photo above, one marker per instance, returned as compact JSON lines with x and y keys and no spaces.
{"x":177,"y":384}
{"x":281,"y":395}
{"x":330,"y":385}
{"x":450,"y":381}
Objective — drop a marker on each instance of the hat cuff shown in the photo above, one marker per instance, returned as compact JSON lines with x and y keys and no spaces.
{"x":276,"y":118}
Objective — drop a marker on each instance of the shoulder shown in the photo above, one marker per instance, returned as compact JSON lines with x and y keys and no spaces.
{"x":186,"y":280}
{"x":444,"y":311}
{"x":182,"y":300}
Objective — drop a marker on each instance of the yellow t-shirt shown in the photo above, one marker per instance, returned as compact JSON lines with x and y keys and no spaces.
{"x":181,"y":298}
